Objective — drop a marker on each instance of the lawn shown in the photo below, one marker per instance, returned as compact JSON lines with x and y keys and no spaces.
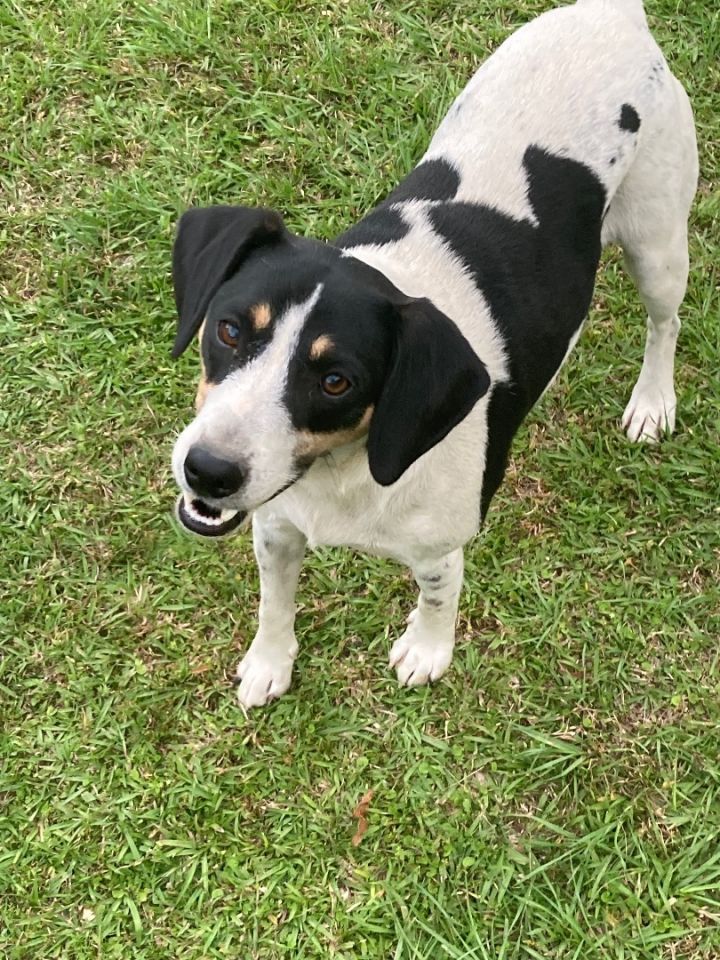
{"x":557,"y":794}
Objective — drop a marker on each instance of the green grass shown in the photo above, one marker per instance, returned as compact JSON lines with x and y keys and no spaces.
{"x":557,"y":795}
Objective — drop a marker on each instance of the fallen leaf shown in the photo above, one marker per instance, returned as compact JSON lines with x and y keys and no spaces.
{"x":360,"y":814}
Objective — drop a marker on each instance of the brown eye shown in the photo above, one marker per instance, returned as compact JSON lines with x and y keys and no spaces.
{"x":228,"y":333}
{"x":334,"y":384}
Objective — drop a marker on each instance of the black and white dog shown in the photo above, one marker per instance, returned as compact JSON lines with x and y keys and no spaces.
{"x":365,"y":393}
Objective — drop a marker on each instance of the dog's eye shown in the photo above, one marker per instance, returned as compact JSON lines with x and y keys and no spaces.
{"x":335,"y":384}
{"x":228,"y":333}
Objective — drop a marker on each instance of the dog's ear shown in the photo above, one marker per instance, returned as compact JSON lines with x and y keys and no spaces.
{"x":210,"y":244}
{"x":435,"y":378}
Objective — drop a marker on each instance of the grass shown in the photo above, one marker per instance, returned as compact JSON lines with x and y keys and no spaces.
{"x":557,"y":795}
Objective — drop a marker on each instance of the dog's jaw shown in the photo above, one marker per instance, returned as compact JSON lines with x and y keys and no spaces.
{"x":198,"y":517}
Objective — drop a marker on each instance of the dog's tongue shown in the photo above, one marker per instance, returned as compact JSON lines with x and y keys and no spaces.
{"x":199,"y":517}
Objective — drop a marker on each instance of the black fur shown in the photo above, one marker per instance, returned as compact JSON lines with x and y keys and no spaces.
{"x":210,"y":244}
{"x":381,"y":226}
{"x":505,"y":414}
{"x":357,"y":317}
{"x":656,"y":71}
{"x":404,"y":358}
{"x":435,"y":380}
{"x":284,"y":272}
{"x":432,"y":180}
{"x":537,"y":280}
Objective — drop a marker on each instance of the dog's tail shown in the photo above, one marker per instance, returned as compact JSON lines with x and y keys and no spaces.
{"x":633,"y":9}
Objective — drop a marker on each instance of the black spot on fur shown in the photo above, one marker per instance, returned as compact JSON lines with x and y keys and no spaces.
{"x":537,"y":280}
{"x":656,"y":71}
{"x":432,"y":602}
{"x":629,"y":119}
{"x":613,"y":161}
{"x":434,"y":579}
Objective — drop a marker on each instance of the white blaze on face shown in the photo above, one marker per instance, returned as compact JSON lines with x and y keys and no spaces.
{"x":245,"y":419}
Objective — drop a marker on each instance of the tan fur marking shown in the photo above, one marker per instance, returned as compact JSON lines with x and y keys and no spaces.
{"x":204,"y":386}
{"x":321,"y":346}
{"x":203,"y":389}
{"x":260,"y":315}
{"x":311,"y":444}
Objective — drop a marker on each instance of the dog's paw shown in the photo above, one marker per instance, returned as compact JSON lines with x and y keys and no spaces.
{"x":421,"y":655}
{"x":262,"y":677}
{"x":650,"y":414}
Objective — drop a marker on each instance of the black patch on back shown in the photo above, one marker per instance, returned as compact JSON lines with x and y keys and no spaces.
{"x":432,"y":180}
{"x":381,"y":226}
{"x":629,"y":119}
{"x":537,"y":280}
{"x":435,"y":180}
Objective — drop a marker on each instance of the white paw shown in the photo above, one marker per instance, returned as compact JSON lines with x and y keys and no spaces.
{"x":650,"y":414}
{"x":263,"y":676}
{"x":420,"y":654}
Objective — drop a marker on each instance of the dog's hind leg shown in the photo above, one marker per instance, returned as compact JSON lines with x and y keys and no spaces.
{"x":648,"y":218}
{"x":424,"y":651}
{"x":661,"y":276}
{"x":266,"y":669}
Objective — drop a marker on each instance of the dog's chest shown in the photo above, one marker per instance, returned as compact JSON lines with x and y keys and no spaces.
{"x":338,"y":504}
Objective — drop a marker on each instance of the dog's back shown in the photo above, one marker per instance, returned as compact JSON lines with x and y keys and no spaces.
{"x":560,"y":83}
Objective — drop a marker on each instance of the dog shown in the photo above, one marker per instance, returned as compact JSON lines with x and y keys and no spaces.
{"x":365,"y":392}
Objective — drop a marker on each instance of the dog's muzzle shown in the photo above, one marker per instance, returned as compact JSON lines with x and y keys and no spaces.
{"x":200,"y":518}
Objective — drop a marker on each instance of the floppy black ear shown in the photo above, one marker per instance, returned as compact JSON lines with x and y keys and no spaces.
{"x":435,"y":380}
{"x":210,"y":244}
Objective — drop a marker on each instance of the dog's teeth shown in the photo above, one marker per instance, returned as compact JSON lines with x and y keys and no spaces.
{"x":201,"y":518}
{"x":206,"y":519}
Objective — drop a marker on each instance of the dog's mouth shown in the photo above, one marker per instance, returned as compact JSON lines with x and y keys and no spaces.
{"x":200,"y":518}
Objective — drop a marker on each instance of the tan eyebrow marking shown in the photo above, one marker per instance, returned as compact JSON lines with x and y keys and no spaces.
{"x":204,"y":387}
{"x":321,"y":346}
{"x":260,"y":315}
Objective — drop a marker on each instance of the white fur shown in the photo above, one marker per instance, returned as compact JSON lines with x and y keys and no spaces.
{"x":556,"y":83}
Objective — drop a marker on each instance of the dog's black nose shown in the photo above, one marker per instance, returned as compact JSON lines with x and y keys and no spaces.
{"x":209,"y":476}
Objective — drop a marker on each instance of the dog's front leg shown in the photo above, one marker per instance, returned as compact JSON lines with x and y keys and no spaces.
{"x":425,"y":650}
{"x":265,"y":672}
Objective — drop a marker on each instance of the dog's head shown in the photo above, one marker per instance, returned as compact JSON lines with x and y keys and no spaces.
{"x":304,"y":349}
